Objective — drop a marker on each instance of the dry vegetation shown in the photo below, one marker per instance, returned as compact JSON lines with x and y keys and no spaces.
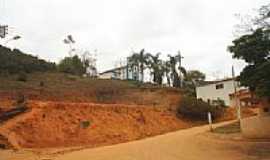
{"x":67,"y":88}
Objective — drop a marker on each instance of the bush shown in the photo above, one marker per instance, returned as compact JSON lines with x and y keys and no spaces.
{"x":85,"y":124}
{"x":22,"y":77}
{"x":72,"y":65}
{"x":197,"y":109}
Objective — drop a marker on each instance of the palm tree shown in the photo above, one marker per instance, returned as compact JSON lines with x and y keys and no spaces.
{"x":139,"y":60}
{"x":176,"y":74}
{"x":70,"y":41}
{"x":133,"y":62}
{"x":156,"y":65}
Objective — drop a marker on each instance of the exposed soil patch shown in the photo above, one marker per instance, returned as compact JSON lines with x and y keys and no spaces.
{"x":4,"y":144}
{"x":76,"y":124}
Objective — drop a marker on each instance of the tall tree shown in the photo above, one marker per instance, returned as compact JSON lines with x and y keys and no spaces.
{"x":174,"y":75}
{"x":250,"y":23}
{"x":140,"y":60}
{"x":89,"y":62}
{"x":191,"y":80}
{"x":178,"y":72}
{"x":157,"y":68}
{"x":195,"y":76}
{"x":70,"y":41}
{"x":72,"y":65}
{"x":254,"y":49}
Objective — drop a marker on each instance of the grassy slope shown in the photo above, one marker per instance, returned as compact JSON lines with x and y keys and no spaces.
{"x":62,"y":87}
{"x":55,"y":81}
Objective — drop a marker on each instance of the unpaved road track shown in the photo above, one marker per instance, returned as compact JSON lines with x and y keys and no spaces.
{"x":189,"y":144}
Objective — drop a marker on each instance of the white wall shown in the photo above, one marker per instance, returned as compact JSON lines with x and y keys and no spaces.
{"x":210,"y":92}
{"x":108,"y":75}
{"x":119,"y":74}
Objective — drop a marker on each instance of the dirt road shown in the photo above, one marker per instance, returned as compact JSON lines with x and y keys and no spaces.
{"x":189,"y":144}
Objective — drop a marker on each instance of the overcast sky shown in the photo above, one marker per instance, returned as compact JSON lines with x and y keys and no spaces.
{"x":200,"y":29}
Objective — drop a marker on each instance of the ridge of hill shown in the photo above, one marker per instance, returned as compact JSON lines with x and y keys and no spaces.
{"x":15,"y":61}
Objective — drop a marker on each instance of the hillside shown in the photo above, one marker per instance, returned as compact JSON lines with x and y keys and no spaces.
{"x":117,"y":111}
{"x":15,"y":61}
{"x":68,"y":88}
{"x":68,"y":111}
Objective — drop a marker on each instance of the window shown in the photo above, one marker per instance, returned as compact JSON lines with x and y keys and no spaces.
{"x":219,"y":86}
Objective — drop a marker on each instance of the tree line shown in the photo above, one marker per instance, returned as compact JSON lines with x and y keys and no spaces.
{"x":170,"y":69}
{"x":15,"y":61}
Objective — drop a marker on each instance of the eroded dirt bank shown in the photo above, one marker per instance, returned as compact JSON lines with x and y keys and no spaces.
{"x":56,"y":124}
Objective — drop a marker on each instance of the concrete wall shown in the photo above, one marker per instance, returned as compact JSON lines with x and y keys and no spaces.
{"x":210,"y":92}
{"x":256,"y":127}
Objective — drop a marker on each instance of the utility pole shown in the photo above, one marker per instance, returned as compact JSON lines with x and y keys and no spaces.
{"x":237,"y":106}
{"x":180,"y":65}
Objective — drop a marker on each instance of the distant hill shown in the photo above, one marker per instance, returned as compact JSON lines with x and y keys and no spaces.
{"x":15,"y":61}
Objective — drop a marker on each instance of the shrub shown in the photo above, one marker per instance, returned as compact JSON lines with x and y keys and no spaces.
{"x":22,"y":76}
{"x":197,"y":109}
{"x":85,"y":124}
{"x":72,"y":65}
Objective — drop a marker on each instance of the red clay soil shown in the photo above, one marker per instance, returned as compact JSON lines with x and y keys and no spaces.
{"x":53,"y":124}
{"x":230,"y":114}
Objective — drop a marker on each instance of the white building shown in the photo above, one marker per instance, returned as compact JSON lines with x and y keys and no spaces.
{"x":121,"y":73}
{"x":217,"y":90}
